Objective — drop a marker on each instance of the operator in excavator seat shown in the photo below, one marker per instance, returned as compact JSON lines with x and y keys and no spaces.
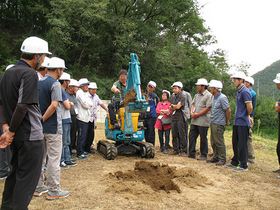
{"x":118,"y":88}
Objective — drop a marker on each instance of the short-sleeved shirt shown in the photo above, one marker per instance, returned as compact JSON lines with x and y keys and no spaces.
{"x":93,"y":110}
{"x":121,"y":87}
{"x":19,"y":84}
{"x":50,"y":90}
{"x":219,"y":106}
{"x":200,"y":102}
{"x":241,"y":116}
{"x":72,"y":98}
{"x":65,"y":114}
{"x":254,"y":101}
{"x":177,"y":115}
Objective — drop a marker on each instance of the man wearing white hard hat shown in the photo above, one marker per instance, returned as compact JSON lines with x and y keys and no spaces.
{"x":219,"y":119}
{"x":93,"y":115}
{"x":20,"y":119}
{"x":150,"y":116}
{"x":277,"y":109}
{"x":178,"y":124}
{"x":71,"y":93}
{"x":241,"y":124}
{"x":249,"y":82}
{"x":49,"y":97}
{"x":84,"y":104}
{"x":65,"y":106}
{"x":41,"y":72}
{"x":200,"y":114}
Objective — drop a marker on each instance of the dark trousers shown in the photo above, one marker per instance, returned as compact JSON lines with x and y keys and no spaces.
{"x":82,"y":136}
{"x":179,"y":140}
{"x":278,"y":144}
{"x":167,"y":138}
{"x":90,"y":137}
{"x":240,"y":145}
{"x":5,"y":161}
{"x":194,"y":132}
{"x":149,"y":124}
{"x":73,"y":132}
{"x":25,"y":172}
{"x":112,"y":113}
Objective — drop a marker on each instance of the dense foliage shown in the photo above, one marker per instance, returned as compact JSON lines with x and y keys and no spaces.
{"x":96,"y":37}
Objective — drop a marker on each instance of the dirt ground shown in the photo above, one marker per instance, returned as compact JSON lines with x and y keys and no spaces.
{"x":167,"y":182}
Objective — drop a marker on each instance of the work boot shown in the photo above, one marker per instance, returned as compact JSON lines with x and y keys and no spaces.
{"x":165,"y":151}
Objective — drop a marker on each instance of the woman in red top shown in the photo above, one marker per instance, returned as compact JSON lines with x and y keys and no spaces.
{"x":163,"y":111}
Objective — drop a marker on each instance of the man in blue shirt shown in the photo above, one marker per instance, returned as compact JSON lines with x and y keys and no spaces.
{"x":241,"y":124}
{"x":249,"y":83}
{"x":219,"y":119}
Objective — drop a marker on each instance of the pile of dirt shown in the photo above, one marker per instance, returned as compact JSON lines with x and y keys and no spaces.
{"x":130,"y":96}
{"x":160,"y":177}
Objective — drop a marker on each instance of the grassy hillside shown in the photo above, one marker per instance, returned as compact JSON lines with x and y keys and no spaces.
{"x":264,"y":81}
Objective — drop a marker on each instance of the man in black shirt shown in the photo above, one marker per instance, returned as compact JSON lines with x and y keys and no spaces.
{"x":20,"y":118}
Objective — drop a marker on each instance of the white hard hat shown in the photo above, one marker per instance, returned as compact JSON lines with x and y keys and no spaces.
{"x":92,"y":85}
{"x":9,"y":66}
{"x":73,"y":82}
{"x":277,"y":80}
{"x":250,"y":80}
{"x":239,"y":74}
{"x":216,"y":84}
{"x":65,"y":76}
{"x":83,"y":81}
{"x":56,"y":63}
{"x":178,"y":84}
{"x":46,"y":62}
{"x":153,"y":84}
{"x":202,"y":81}
{"x":166,"y":91}
{"x":34,"y":44}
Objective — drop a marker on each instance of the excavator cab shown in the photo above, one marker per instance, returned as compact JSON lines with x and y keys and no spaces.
{"x":128,"y":138}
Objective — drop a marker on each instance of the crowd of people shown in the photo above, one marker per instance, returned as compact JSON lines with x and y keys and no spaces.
{"x":41,"y":130}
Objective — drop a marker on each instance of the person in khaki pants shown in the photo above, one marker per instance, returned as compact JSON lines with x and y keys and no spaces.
{"x":50,"y":94}
{"x":219,"y":119}
{"x":249,"y":82}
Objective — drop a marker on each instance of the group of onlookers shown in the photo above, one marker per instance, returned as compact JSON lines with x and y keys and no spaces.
{"x":41,"y":111}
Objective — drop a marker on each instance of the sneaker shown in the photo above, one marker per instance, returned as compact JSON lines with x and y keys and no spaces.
{"x":238,"y":169}
{"x":73,"y":160}
{"x":201,"y":158}
{"x":161,"y":149}
{"x":86,"y":154}
{"x":57,"y":195}
{"x":3,"y":177}
{"x":63,"y":165}
{"x":70,"y":163}
{"x":174,"y":153}
{"x":73,"y":151}
{"x":230,"y":166}
{"x":250,"y":163}
{"x":116,"y":126}
{"x":81,"y":157}
{"x":183,"y":154}
{"x":278,"y":177}
{"x":211,"y":155}
{"x":276,"y":171}
{"x":190,"y":156}
{"x":39,"y":191}
{"x":221,"y":163}
{"x":213,"y":160}
{"x":165,"y":151}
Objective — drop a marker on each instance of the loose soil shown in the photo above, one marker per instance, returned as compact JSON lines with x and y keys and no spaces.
{"x":167,"y":182}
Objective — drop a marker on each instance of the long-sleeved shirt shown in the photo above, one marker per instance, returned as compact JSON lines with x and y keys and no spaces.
{"x":93,"y":110}
{"x":83,"y":105}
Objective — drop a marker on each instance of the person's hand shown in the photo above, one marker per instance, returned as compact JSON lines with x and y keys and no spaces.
{"x":277,"y":107}
{"x":6,"y":139}
{"x":117,"y":91}
{"x":71,"y":104}
{"x":228,"y":123}
{"x":194,"y":115}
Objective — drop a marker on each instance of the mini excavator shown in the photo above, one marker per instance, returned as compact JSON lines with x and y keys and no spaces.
{"x":127,"y":139}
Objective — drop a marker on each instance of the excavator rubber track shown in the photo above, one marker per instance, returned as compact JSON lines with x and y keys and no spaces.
{"x":147,"y":149}
{"x":107,"y":149}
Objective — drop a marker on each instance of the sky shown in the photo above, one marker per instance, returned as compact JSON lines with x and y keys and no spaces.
{"x":248,"y":30}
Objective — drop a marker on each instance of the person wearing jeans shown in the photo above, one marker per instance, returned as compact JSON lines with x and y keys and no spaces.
{"x":163,"y":111}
